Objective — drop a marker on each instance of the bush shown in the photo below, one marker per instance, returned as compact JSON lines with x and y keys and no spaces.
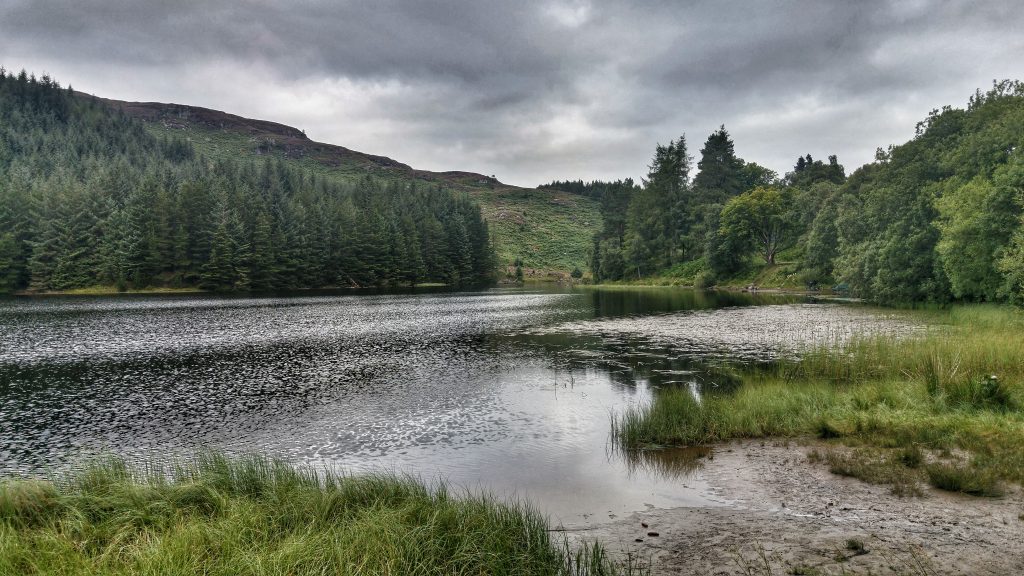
{"x":705,"y":280}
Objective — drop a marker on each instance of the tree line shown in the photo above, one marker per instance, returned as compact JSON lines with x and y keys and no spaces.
{"x":89,"y":197}
{"x":935,"y":219}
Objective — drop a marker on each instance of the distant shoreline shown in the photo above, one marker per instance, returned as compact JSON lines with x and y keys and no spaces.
{"x":113,"y":291}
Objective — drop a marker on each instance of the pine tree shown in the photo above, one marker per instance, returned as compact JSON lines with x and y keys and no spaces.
{"x":720,"y":176}
{"x":262,"y":268}
{"x":9,"y":254}
{"x":657,"y":217}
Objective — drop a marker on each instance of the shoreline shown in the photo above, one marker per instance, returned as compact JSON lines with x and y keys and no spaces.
{"x":778,"y":513}
{"x":113,"y":291}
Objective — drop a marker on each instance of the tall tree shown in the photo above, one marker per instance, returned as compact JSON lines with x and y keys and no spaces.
{"x":761,"y":217}
{"x":720,"y":175}
{"x":657,"y":219}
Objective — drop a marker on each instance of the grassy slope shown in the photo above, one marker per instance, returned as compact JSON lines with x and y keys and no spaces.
{"x":257,"y":516}
{"x":779,"y":276}
{"x":934,"y":393}
{"x":551,"y":231}
{"x":783,"y":275}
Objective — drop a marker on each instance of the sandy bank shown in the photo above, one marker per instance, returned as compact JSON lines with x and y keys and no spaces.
{"x":781,"y":514}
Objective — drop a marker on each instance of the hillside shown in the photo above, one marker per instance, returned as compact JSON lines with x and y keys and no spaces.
{"x":549,"y":230}
{"x":91,"y":199}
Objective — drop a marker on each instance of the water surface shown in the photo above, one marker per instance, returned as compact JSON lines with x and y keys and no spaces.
{"x":506,"y":390}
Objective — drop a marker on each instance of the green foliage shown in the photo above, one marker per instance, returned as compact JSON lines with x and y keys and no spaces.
{"x":874,"y":466}
{"x":725,"y":250}
{"x":821,"y":244}
{"x":933,"y":218}
{"x":1011,"y":265}
{"x":8,"y":257}
{"x":976,"y":221}
{"x":645,"y":228}
{"x":762,"y":218}
{"x":754,"y":175}
{"x":657,"y":215}
{"x":704,"y":280}
{"x":721,"y":173}
{"x":809,"y":171}
{"x":90,"y":197}
{"x":671,"y":221}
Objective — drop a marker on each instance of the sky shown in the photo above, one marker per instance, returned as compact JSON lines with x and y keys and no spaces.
{"x":537,"y":90}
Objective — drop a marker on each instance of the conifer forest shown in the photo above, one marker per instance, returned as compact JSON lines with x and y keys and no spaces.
{"x":88,"y":197}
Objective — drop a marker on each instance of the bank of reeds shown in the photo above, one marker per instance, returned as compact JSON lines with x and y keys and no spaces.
{"x":959,"y":385}
{"x":216,"y":515}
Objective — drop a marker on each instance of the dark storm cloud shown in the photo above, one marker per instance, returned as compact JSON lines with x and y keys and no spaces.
{"x":533,"y":90}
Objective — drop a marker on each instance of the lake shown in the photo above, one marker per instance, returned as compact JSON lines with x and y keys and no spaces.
{"x":506,"y":390}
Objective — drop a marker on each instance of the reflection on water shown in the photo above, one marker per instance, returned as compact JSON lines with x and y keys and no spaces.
{"x":505,"y":389}
{"x":753,"y":334}
{"x":673,"y":463}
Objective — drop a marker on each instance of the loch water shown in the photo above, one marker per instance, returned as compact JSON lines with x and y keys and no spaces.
{"x":509,"y":391}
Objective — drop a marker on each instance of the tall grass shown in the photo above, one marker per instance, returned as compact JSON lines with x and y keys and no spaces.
{"x":216,"y":515}
{"x":960,"y":385}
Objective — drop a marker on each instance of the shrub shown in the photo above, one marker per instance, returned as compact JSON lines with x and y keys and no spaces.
{"x":968,"y":480}
{"x":705,"y":280}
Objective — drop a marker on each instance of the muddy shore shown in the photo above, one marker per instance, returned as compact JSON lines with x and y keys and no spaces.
{"x":774,"y":512}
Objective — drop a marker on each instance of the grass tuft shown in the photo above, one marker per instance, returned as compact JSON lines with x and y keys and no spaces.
{"x":826,"y":430}
{"x":217,"y":515}
{"x":873,"y":466}
{"x":965,"y":479}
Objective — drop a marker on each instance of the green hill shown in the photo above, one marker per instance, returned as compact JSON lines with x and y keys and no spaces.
{"x":549,"y":230}
{"x":91,"y":198}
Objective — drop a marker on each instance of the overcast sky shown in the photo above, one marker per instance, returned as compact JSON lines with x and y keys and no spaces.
{"x":535,"y":90}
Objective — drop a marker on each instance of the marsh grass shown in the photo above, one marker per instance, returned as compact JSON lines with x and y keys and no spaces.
{"x":875,"y":466}
{"x":974,"y":480}
{"x":960,"y":385}
{"x":216,"y":515}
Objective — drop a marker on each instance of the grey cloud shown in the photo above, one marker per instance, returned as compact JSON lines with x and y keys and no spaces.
{"x":543,"y":89}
